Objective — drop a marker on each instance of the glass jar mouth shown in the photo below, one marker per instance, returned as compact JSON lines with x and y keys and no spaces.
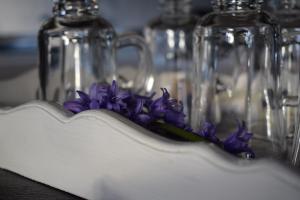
{"x":175,"y":7}
{"x":236,"y":5}
{"x":75,"y":7}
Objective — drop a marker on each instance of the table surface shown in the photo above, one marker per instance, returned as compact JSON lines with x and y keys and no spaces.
{"x":16,"y":187}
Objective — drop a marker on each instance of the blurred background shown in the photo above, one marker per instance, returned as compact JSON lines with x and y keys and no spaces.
{"x":20,"y":22}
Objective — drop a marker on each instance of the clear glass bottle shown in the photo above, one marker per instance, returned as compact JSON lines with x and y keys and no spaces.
{"x":170,"y":39}
{"x":288,"y":16}
{"x":236,"y":74}
{"x":77,"y":47}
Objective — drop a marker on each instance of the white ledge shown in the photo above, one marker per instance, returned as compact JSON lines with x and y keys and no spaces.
{"x":101,"y":155}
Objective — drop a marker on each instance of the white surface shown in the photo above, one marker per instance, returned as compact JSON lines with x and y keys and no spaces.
{"x":100,"y":155}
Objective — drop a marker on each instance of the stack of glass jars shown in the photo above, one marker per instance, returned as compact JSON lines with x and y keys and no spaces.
{"x":236,"y":64}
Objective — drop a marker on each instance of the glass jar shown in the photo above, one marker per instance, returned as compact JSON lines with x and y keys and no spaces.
{"x":170,"y":39}
{"x":77,"y":47}
{"x":288,"y":16}
{"x":236,"y":73}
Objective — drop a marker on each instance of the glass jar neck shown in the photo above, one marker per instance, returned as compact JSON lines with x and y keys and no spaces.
{"x":75,"y":7}
{"x":175,"y":8}
{"x":237,"y":5}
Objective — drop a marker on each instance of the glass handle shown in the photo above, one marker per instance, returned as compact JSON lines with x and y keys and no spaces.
{"x":143,"y":81}
{"x":296,"y":149}
{"x":290,"y":101}
{"x":293,"y":102}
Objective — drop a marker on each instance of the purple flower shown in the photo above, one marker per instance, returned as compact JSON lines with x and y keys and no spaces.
{"x":237,"y":142}
{"x":115,"y":98}
{"x":78,"y":105}
{"x":159,"y":106}
{"x":209,"y":132}
{"x":169,"y":110}
{"x":101,"y":96}
{"x":108,"y":97}
{"x":98,"y":94}
{"x":138,"y":114}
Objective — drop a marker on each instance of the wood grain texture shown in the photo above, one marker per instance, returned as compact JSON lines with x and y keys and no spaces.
{"x":16,"y":187}
{"x":101,"y":155}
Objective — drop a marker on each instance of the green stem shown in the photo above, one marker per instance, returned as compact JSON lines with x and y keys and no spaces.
{"x":170,"y":129}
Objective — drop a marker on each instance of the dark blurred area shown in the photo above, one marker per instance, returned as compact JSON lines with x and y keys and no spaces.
{"x":20,"y":22}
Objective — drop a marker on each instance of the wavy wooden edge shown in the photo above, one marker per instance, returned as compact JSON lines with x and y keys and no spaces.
{"x":139,"y":138}
{"x":137,"y":133}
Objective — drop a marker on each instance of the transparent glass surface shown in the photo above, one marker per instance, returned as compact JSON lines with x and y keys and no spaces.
{"x":74,"y":53}
{"x":170,"y":40}
{"x":78,"y":48}
{"x":288,"y":16}
{"x":236,"y":76}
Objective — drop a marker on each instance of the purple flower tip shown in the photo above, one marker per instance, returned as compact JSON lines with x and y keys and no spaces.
{"x":209,"y":132}
{"x":237,"y":142}
{"x":168,"y":109}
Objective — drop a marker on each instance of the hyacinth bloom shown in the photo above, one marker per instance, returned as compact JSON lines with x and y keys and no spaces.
{"x":138,"y":114}
{"x":209,"y":132}
{"x":79,"y":105}
{"x":170,"y":110}
{"x":237,"y":142}
{"x":163,"y":111}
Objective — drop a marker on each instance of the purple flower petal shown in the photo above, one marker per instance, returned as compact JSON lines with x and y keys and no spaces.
{"x":139,"y":106}
{"x":175,"y":118}
{"x":114,"y":88}
{"x":143,"y":119}
{"x":176,"y":105}
{"x":109,"y":106}
{"x":116,"y":107}
{"x":84,"y":97}
{"x":237,"y":142}
{"x":74,"y":106}
{"x":93,"y":91}
{"x":169,"y":110}
{"x":122,"y":95}
{"x":94,"y":104}
{"x":209,"y":132}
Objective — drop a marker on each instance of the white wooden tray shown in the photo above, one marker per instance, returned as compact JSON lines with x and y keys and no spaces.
{"x":100,"y":155}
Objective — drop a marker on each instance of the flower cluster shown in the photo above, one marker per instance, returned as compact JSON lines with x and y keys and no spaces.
{"x":147,"y":111}
{"x":237,"y":142}
{"x":140,"y":109}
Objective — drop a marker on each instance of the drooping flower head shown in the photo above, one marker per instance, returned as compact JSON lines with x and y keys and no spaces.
{"x":237,"y":142}
{"x":168,"y":109}
{"x":209,"y":132}
{"x":116,"y":97}
{"x":101,"y":96}
{"x":98,"y":94}
{"x":139,"y":110}
{"x":159,"y":106}
{"x":78,"y":105}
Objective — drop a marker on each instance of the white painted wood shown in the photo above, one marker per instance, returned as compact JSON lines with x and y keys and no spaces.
{"x":100,"y":155}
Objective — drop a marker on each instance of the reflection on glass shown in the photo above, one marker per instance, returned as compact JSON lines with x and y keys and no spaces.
{"x":77,"y":48}
{"x":236,"y":74}
{"x":288,"y":15}
{"x":170,"y":39}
